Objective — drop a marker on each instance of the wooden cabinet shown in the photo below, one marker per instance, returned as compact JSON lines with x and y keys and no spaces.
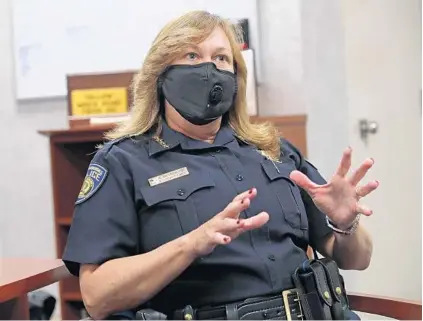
{"x":71,"y":151}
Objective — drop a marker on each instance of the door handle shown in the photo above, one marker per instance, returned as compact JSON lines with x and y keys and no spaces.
{"x":367,"y":127}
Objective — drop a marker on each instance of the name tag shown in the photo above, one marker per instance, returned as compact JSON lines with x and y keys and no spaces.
{"x":166,"y":177}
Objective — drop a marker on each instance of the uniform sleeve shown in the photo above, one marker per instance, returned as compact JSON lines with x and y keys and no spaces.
{"x":318,"y":229}
{"x":104,"y":224}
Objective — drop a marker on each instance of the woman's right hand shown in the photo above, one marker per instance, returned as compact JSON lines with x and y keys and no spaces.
{"x":226,"y":225}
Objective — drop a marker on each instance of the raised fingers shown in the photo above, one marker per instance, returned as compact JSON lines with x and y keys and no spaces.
{"x":365,"y":190}
{"x":250,"y":194}
{"x":345,"y":164}
{"x":234,"y":208}
{"x":358,"y":175}
{"x":228,"y":225}
{"x":255,"y":221}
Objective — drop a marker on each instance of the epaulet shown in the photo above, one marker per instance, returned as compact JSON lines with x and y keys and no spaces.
{"x":118,"y":140}
{"x":107,"y":146}
{"x":129,"y":141}
{"x":290,"y":151}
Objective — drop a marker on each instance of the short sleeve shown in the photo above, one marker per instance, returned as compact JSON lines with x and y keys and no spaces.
{"x":318,"y":229}
{"x":104,"y":224}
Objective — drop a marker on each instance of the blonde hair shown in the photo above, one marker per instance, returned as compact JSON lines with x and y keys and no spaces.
{"x":192,"y":28}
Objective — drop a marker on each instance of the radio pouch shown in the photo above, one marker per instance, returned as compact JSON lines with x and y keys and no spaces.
{"x":321,"y":290}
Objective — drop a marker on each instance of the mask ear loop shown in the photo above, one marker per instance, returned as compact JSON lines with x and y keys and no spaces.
{"x":160,"y":95}
{"x":225,"y":118}
{"x":159,"y":84}
{"x":236,"y":81}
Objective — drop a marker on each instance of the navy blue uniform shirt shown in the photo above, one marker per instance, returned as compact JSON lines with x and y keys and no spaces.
{"x":118,"y":213}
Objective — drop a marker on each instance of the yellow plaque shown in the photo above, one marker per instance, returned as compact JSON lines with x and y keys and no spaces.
{"x":104,"y":101}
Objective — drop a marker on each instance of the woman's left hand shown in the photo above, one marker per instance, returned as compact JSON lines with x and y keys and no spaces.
{"x":339,"y":198}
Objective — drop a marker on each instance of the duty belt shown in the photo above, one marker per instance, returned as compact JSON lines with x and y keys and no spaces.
{"x":285,"y":306}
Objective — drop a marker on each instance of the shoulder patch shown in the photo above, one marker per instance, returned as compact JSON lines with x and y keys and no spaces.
{"x":95,"y":177}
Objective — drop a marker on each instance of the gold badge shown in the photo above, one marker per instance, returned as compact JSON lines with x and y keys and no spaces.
{"x":166,"y":177}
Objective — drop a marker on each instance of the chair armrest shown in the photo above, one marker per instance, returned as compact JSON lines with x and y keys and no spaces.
{"x":386,"y":306}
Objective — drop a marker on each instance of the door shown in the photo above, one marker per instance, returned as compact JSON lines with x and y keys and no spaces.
{"x":383,"y":74}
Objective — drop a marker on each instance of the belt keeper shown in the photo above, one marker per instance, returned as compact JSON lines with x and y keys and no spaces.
{"x":188,"y":313}
{"x":232,"y":311}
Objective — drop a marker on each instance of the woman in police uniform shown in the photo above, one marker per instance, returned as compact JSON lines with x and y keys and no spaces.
{"x":189,"y":205}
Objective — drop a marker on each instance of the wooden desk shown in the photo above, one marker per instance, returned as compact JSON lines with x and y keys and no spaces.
{"x":20,"y":276}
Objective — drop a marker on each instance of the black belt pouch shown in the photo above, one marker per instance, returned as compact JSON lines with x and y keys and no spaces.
{"x":321,"y":289}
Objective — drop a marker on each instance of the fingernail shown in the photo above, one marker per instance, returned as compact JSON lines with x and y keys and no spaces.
{"x":238,"y":221}
{"x":250,"y":191}
{"x":242,"y":201}
{"x":226,"y":239}
{"x":377,"y":182}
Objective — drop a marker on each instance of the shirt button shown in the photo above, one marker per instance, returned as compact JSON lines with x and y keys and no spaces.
{"x":180,"y":192}
{"x":239,"y":177}
{"x":271,"y":257}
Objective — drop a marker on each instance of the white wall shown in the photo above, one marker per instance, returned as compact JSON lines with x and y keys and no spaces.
{"x":303,"y":68}
{"x":281,"y":50}
{"x":324,"y":82}
{"x":303,"y":56}
{"x":383,"y":44}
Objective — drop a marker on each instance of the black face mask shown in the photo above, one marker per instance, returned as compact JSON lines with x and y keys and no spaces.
{"x":200,"y":93}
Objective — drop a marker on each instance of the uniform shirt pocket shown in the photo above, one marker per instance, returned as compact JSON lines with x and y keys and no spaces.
{"x":288,"y":193}
{"x":178,"y":194}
